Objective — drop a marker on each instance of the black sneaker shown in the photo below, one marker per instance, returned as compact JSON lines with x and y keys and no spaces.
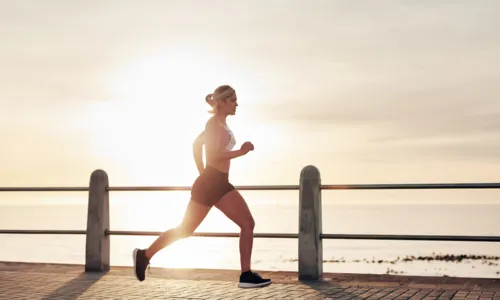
{"x":251,"y":279}
{"x":141,"y":262}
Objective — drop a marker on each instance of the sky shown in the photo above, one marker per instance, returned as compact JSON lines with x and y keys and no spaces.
{"x":367,"y":91}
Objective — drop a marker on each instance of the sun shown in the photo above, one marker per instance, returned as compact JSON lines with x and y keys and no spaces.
{"x":150,"y":119}
{"x":155,"y":109}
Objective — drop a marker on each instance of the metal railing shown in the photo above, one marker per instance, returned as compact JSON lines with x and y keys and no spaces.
{"x":397,"y":186}
{"x":309,"y":236}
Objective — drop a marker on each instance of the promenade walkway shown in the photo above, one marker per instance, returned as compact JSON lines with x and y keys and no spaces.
{"x":52,"y":281}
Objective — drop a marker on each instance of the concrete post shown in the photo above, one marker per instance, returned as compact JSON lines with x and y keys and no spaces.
{"x":310,"y":227}
{"x":97,"y":243}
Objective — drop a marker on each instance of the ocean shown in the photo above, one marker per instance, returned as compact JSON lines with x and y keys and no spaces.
{"x":158,"y":211}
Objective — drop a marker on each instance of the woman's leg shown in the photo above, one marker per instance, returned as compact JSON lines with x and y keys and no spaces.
{"x":235,"y":208}
{"x":194,"y":215}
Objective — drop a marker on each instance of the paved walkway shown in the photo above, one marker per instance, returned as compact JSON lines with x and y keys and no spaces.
{"x":50,"y":281}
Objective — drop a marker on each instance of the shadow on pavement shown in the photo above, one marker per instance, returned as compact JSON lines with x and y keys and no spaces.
{"x":75,"y":287}
{"x":330,"y":290}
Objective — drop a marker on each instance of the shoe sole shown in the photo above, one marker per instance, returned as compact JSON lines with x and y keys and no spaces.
{"x":134,"y":256}
{"x":246,"y":285}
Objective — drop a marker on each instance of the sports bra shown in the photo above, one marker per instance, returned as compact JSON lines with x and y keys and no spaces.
{"x":232,"y":141}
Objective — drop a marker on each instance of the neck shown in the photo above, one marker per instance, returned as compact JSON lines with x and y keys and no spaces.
{"x":221,"y":117}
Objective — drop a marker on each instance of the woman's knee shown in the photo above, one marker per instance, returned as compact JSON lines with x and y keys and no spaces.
{"x":248,"y":224}
{"x":184,"y":231}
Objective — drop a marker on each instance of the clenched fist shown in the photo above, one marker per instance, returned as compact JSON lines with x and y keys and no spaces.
{"x":246,"y":147}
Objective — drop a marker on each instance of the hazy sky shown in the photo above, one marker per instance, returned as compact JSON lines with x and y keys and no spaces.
{"x":368,"y":91}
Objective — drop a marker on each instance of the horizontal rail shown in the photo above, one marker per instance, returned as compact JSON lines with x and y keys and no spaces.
{"x":144,"y":188}
{"x":148,"y":188}
{"x":454,"y":238}
{"x":147,"y":233}
{"x":206,"y":234}
{"x":41,"y":231}
{"x":402,"y":186}
{"x":188,"y":188}
{"x":44,"y":189}
{"x":399,"y":186}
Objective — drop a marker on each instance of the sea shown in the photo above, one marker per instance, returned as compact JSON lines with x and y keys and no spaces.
{"x":159,"y":211}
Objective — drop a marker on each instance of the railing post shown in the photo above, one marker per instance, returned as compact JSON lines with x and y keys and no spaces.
{"x":310,"y":243}
{"x":97,"y":243}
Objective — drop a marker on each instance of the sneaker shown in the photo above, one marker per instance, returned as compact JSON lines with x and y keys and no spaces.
{"x":141,"y":262}
{"x":251,"y":279}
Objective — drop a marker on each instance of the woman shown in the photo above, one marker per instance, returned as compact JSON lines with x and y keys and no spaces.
{"x":212,"y":188}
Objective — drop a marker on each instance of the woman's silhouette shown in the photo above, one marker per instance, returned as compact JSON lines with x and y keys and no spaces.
{"x":212,"y":188}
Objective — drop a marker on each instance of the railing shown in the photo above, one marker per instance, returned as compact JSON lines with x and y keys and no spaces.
{"x":310,"y":234}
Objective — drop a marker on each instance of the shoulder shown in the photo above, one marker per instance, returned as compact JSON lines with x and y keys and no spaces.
{"x":201,"y":136}
{"x":211,"y":124}
{"x":210,"y":121}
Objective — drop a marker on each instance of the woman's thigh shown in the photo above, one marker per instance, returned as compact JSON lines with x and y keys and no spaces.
{"x":193,"y":216}
{"x":234,"y":206}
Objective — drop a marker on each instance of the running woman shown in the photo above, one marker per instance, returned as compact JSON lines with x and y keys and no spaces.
{"x":212,"y":188}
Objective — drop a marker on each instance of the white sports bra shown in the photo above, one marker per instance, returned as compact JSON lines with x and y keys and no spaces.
{"x":232,"y":141}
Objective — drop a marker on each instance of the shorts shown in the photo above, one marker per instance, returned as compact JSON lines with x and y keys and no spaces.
{"x":210,"y":187}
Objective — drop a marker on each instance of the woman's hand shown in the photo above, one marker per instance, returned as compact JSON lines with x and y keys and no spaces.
{"x":246,"y":147}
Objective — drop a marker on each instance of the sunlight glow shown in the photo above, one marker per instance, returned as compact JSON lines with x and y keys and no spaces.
{"x":160,"y":211}
{"x":180,"y":79}
{"x":156,"y":111}
{"x":147,"y":128}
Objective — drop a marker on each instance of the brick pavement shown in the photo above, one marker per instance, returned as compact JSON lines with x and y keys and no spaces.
{"x":52,"y":281}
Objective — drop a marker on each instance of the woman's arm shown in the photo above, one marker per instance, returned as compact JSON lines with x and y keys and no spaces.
{"x":198,"y":152}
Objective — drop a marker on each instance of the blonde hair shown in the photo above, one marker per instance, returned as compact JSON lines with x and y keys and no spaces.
{"x":220,"y":94}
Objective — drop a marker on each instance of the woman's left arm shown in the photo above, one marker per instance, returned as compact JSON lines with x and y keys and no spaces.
{"x":198,"y":151}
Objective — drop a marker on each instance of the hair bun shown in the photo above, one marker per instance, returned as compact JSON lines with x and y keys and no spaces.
{"x":209,"y":97}
{"x":210,"y":100}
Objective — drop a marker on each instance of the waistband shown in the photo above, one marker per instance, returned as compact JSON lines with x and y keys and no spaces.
{"x":210,"y":169}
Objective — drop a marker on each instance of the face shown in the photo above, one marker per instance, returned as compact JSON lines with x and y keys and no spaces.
{"x":229,"y":106}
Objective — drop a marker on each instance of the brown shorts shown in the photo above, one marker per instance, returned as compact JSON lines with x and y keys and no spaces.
{"x":210,"y":186}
